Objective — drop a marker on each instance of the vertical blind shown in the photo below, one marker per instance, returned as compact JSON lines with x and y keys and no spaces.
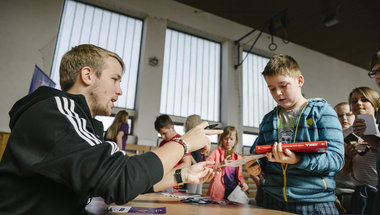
{"x":257,"y":100}
{"x":81,"y":23}
{"x":191,"y":76}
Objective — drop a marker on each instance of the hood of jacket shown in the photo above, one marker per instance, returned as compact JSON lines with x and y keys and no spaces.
{"x":38,"y":95}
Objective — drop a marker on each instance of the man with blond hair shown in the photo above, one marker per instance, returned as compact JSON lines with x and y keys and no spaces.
{"x":55,"y":158}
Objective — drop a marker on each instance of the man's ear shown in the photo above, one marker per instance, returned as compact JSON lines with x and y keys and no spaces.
{"x":86,"y":75}
{"x":301,"y":80}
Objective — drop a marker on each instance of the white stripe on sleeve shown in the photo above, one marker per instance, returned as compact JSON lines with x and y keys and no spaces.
{"x":62,"y":109}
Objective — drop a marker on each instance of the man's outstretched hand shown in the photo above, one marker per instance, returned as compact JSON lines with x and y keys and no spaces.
{"x":198,"y":173}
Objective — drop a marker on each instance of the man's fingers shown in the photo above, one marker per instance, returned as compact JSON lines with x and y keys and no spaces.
{"x":204,"y":124}
{"x":207,"y":163}
{"x":213,"y":131}
{"x":209,"y":177}
{"x":206,"y":148}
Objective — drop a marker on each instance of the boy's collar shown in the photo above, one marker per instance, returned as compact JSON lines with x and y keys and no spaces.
{"x":300,"y":105}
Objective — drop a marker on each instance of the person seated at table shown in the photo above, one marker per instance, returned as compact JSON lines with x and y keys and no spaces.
{"x":119,"y":130}
{"x":228,"y":178}
{"x":56,"y":158}
{"x":196,"y":156}
{"x":165,"y":127}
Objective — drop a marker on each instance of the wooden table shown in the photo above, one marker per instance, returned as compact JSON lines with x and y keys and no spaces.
{"x":175,"y":206}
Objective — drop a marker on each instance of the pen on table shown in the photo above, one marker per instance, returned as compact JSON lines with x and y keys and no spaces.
{"x":212,"y":126}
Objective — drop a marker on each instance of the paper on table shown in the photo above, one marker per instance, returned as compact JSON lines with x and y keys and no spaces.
{"x":242,"y":160}
{"x":238,"y":195}
{"x":118,"y":209}
{"x":370,"y":123}
{"x":138,"y":210}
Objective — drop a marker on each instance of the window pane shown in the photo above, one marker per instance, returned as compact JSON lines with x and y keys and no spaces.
{"x":191,"y":76}
{"x":257,"y":100}
{"x":249,"y":139}
{"x":121,"y":34}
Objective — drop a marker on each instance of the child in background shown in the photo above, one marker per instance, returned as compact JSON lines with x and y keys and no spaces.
{"x":362,"y":164}
{"x":196,"y":156}
{"x":225,"y":182}
{"x":119,"y":130}
{"x":165,"y":127}
{"x":301,"y":183}
{"x":344,"y":184}
{"x":345,"y":116}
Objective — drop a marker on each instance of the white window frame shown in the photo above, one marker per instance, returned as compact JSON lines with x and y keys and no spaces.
{"x":116,"y":32}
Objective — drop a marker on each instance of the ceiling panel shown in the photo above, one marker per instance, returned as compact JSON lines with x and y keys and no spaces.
{"x":354,"y":39}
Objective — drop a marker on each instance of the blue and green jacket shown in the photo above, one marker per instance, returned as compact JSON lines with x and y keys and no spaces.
{"x":312,"y":179}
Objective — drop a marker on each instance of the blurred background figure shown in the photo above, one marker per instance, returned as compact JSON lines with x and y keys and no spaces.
{"x":360,"y":158}
{"x":344,"y":185}
{"x":345,"y":116}
{"x":118,"y":131}
{"x":164,"y":126}
{"x":196,"y":156}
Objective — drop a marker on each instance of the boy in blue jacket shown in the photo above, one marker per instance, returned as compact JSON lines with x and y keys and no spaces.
{"x":301,"y":183}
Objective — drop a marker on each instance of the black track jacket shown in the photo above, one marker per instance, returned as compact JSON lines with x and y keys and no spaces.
{"x":55,"y":159}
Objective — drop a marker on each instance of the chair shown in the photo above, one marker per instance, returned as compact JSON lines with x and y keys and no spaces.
{"x":134,"y":149}
{"x":4,"y":136}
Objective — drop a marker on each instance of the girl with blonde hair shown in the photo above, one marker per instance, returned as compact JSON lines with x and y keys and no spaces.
{"x":119,"y":130}
{"x":225,"y":182}
{"x":361,"y":163}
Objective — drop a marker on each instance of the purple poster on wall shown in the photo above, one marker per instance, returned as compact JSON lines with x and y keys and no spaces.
{"x":40,"y":79}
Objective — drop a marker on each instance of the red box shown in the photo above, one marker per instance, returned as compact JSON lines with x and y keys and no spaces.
{"x":311,"y":147}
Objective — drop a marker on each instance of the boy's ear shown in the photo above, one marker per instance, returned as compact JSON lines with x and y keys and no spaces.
{"x":300,"y":80}
{"x":86,"y":75}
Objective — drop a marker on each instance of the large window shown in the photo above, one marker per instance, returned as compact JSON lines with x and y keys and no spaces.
{"x":248,"y":140}
{"x":81,"y":23}
{"x":257,"y":100}
{"x":191,"y":76}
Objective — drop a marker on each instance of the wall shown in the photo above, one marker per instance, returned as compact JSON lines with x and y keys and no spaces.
{"x":28,"y":33}
{"x":29,"y":30}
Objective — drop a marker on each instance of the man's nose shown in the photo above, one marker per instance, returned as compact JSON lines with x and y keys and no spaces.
{"x":119,"y":92}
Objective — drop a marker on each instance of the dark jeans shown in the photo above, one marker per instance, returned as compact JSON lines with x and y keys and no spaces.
{"x":376,"y":205}
{"x":305,"y":208}
{"x":363,"y":200}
